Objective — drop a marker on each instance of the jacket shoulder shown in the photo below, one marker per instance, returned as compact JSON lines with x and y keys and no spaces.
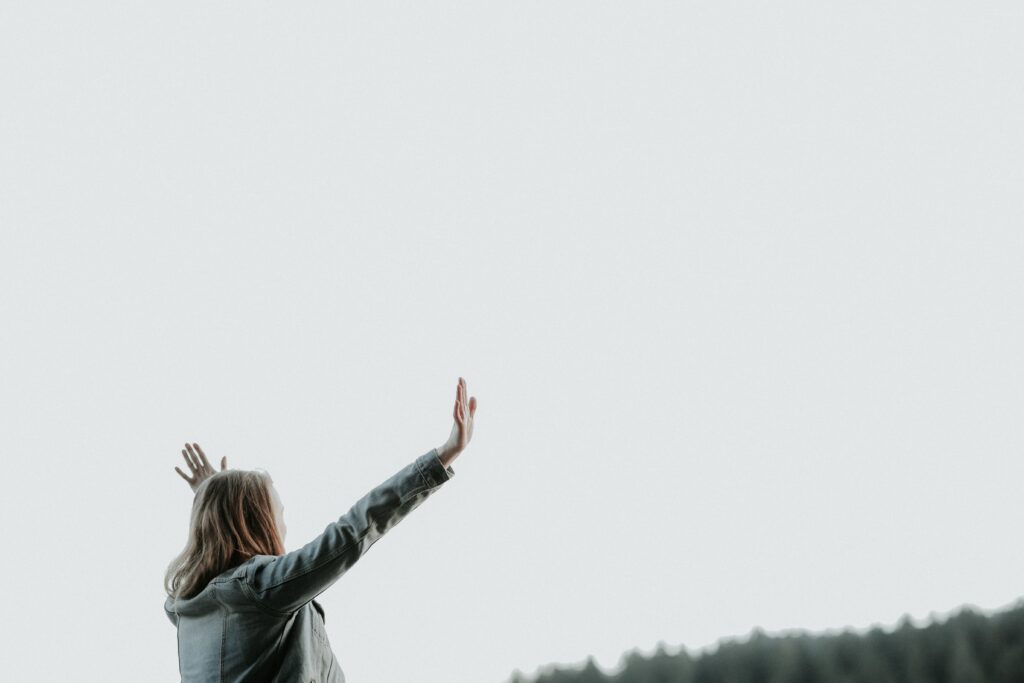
{"x":169,"y":610}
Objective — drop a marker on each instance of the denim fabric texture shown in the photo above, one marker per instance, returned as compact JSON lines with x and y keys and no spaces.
{"x":259,"y":622}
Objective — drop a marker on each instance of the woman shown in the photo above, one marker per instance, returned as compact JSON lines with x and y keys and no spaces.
{"x":244,"y":608}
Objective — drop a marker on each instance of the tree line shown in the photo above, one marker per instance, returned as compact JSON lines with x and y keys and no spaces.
{"x":968,"y":647}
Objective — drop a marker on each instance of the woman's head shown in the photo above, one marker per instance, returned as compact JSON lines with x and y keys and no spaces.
{"x":236,"y":514}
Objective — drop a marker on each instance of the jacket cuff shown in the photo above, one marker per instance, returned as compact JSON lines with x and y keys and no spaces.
{"x":431,"y":469}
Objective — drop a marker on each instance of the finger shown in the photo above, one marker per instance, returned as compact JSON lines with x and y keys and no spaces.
{"x":224,"y":463}
{"x":188,"y":459}
{"x":186,"y":478}
{"x":195,"y":458}
{"x":202,"y":455}
{"x":472,"y":406}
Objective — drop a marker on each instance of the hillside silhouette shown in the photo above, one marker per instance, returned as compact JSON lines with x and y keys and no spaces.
{"x":968,"y":647}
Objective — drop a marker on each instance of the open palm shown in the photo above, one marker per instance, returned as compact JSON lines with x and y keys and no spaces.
{"x":463,"y":412}
{"x":200,"y":466}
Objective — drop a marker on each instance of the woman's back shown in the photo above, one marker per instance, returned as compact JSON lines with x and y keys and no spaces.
{"x":259,"y":621}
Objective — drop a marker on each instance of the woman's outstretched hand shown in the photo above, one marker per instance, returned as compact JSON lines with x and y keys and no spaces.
{"x":199,"y":465}
{"x":462,"y":431}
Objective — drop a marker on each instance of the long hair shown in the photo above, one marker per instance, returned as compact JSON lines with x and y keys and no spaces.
{"x":232,"y":521}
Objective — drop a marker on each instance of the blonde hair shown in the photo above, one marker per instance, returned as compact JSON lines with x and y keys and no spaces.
{"x":232,"y":521}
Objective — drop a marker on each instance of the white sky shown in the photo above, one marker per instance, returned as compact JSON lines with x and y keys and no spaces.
{"x":737,"y":286}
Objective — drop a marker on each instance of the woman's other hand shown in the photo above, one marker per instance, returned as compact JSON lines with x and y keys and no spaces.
{"x":462,"y":431}
{"x":200,"y":466}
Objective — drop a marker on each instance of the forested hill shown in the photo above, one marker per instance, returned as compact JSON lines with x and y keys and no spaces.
{"x":968,"y":647}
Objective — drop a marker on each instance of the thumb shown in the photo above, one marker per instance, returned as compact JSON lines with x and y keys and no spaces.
{"x":472,"y":405}
{"x":224,"y":463}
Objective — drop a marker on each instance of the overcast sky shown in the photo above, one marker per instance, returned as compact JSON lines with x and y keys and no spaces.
{"x":737,"y":287}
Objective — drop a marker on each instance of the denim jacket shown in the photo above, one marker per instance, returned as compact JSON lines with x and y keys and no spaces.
{"x":259,"y":621}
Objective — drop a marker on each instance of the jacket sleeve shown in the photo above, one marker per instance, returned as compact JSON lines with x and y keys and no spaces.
{"x":289,"y":581}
